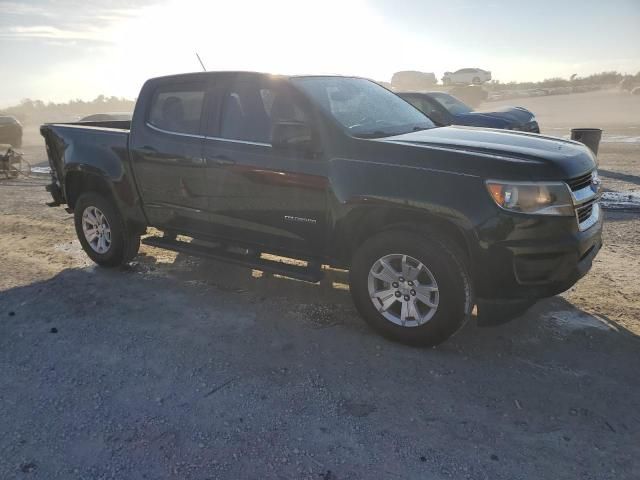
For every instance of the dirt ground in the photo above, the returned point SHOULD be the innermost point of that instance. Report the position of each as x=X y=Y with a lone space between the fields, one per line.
x=176 y=367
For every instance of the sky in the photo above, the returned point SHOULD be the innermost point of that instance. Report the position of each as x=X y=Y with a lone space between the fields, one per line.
x=56 y=50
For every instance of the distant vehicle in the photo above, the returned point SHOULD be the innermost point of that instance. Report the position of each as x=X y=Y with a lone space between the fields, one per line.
x=335 y=171
x=413 y=80
x=10 y=131
x=108 y=117
x=445 y=109
x=466 y=76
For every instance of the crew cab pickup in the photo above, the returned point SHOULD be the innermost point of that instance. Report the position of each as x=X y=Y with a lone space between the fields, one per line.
x=337 y=171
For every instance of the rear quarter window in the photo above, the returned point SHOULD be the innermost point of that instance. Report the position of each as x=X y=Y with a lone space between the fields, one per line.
x=177 y=108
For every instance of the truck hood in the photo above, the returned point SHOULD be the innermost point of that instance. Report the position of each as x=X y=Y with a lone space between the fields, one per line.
x=501 y=148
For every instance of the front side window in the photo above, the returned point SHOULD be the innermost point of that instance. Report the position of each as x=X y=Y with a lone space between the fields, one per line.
x=253 y=106
x=451 y=104
x=421 y=104
x=362 y=107
x=178 y=108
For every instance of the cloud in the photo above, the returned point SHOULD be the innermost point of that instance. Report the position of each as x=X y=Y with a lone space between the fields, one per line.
x=53 y=33
x=63 y=20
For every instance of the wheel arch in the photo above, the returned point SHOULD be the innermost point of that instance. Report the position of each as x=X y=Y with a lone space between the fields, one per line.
x=79 y=181
x=363 y=223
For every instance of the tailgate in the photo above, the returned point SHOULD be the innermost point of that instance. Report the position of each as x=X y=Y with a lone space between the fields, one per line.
x=56 y=165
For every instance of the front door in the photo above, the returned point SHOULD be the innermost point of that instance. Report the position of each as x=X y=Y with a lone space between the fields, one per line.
x=259 y=194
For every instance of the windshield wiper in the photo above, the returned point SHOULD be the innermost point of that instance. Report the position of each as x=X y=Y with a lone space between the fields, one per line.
x=374 y=134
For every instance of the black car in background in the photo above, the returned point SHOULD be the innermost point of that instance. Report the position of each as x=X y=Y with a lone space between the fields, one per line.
x=108 y=117
x=445 y=109
x=10 y=131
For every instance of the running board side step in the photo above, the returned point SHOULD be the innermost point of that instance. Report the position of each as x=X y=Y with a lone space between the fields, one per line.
x=307 y=274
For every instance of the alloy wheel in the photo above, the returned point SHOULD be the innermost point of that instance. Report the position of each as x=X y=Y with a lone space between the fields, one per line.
x=403 y=290
x=96 y=229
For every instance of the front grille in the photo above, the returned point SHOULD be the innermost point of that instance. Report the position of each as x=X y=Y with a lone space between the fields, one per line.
x=584 y=211
x=579 y=183
x=585 y=199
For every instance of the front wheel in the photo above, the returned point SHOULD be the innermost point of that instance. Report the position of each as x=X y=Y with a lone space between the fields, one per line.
x=102 y=231
x=411 y=288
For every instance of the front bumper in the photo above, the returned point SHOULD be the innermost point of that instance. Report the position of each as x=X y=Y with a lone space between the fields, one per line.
x=522 y=257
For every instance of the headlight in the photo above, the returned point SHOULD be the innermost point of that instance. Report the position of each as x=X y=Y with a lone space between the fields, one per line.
x=540 y=198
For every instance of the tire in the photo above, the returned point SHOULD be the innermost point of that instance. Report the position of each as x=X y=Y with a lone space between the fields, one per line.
x=122 y=246
x=476 y=80
x=445 y=268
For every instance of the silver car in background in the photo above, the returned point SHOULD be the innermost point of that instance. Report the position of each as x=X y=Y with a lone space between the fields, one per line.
x=466 y=76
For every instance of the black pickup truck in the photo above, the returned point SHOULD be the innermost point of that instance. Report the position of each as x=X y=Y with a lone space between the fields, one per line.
x=338 y=171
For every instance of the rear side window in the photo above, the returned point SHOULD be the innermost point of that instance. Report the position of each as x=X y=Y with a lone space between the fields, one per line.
x=178 y=108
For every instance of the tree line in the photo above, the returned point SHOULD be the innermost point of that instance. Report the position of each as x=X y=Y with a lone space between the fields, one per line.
x=37 y=110
x=597 y=79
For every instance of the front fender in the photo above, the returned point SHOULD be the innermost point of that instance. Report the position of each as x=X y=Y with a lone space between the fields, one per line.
x=375 y=194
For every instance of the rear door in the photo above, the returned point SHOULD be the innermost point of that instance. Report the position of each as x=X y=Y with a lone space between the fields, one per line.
x=259 y=194
x=166 y=153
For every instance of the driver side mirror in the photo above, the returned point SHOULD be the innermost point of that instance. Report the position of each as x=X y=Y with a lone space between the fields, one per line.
x=292 y=135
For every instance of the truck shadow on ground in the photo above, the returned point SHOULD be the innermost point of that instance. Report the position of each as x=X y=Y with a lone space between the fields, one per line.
x=212 y=344
x=333 y=291
x=210 y=295
x=625 y=177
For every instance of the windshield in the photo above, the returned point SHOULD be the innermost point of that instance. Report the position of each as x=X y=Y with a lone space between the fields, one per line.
x=363 y=107
x=452 y=104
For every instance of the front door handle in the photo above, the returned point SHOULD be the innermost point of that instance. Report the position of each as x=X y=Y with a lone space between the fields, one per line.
x=220 y=161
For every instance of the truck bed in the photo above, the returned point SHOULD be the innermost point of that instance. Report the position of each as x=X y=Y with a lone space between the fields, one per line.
x=96 y=145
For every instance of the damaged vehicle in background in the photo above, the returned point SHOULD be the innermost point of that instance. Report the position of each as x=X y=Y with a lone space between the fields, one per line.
x=335 y=171
x=445 y=109
x=10 y=131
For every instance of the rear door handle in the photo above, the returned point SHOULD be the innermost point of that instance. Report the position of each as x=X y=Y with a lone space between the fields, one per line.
x=146 y=150
x=190 y=160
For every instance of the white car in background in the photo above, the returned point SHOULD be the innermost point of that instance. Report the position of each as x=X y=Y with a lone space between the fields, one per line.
x=466 y=76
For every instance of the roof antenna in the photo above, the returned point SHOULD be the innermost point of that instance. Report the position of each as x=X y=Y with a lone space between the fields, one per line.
x=202 y=64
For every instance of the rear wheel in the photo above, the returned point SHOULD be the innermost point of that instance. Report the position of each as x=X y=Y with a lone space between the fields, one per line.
x=476 y=80
x=411 y=288
x=102 y=231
